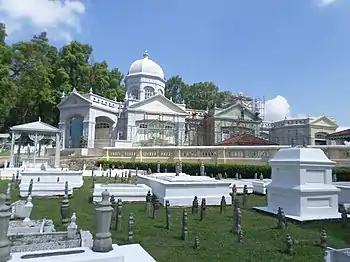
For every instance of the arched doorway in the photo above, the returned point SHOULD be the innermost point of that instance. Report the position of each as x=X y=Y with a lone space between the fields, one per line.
x=75 y=131
x=104 y=132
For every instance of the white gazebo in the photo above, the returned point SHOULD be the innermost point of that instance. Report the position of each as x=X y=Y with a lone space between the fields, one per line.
x=36 y=131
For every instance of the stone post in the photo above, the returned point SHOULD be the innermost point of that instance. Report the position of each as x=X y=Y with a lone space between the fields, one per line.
x=202 y=169
x=72 y=228
x=103 y=237
x=65 y=207
x=5 y=245
x=119 y=214
x=131 y=228
x=57 y=151
x=158 y=166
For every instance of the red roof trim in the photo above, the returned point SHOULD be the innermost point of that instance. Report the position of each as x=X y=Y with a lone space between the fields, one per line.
x=345 y=132
x=245 y=140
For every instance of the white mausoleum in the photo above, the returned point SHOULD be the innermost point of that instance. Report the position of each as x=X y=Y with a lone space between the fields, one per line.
x=145 y=116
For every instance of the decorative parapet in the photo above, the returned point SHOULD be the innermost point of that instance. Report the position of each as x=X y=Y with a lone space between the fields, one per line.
x=215 y=154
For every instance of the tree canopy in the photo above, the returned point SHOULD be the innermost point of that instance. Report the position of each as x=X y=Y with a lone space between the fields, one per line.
x=34 y=73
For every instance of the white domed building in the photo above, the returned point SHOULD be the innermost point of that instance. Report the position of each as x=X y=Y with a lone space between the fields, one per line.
x=146 y=117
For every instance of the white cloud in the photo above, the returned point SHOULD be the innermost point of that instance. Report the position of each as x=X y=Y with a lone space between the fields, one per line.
x=277 y=109
x=58 y=17
x=323 y=3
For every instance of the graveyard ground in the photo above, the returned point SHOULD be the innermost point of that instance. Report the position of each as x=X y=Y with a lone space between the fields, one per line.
x=262 y=242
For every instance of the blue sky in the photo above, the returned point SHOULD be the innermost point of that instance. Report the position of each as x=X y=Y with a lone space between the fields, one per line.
x=296 y=49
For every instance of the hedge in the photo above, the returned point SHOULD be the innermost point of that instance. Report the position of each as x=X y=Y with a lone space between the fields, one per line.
x=247 y=171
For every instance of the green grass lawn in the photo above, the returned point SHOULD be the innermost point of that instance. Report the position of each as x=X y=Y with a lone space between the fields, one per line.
x=262 y=242
x=5 y=153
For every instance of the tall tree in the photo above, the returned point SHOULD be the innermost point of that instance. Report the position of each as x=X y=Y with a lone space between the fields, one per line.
x=74 y=60
x=174 y=89
x=32 y=67
x=202 y=95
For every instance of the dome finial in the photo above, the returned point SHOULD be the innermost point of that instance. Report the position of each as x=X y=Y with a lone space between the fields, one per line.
x=145 y=54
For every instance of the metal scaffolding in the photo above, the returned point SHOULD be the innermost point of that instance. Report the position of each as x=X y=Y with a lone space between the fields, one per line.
x=157 y=130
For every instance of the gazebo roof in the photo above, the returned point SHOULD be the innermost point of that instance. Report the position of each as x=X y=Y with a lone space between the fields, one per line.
x=36 y=126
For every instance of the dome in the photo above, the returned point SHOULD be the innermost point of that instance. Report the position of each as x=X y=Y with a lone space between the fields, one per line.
x=146 y=66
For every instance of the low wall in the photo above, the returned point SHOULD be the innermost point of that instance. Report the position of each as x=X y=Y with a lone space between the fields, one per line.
x=252 y=155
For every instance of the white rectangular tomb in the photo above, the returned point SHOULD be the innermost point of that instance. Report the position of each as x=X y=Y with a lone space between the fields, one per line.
x=180 y=190
x=259 y=186
x=302 y=185
x=126 y=253
x=125 y=192
x=50 y=183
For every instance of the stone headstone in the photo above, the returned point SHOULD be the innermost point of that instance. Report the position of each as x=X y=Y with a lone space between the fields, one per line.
x=180 y=167
x=203 y=209
x=119 y=214
x=225 y=175
x=261 y=176
x=222 y=204
x=236 y=176
x=323 y=239
x=255 y=175
x=149 y=171
x=131 y=228
x=65 y=217
x=103 y=237
x=245 y=194
x=195 y=205
x=184 y=225
x=165 y=170
x=43 y=167
x=334 y=177
x=158 y=167
x=72 y=227
x=289 y=243
x=155 y=206
x=202 y=170
x=177 y=169
x=5 y=245
x=240 y=236
x=148 y=206
x=240 y=176
x=281 y=219
x=196 y=243
x=233 y=194
x=167 y=214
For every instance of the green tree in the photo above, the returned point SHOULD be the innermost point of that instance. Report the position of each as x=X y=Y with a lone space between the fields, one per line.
x=32 y=74
x=174 y=88
x=6 y=83
x=202 y=95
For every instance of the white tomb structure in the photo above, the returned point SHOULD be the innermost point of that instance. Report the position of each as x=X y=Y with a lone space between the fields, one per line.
x=125 y=192
x=259 y=186
x=180 y=190
x=50 y=182
x=302 y=185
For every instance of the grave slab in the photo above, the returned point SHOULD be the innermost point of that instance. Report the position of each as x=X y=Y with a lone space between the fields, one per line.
x=125 y=192
x=180 y=190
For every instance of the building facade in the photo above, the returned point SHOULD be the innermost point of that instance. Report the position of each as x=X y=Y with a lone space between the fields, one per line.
x=146 y=117
x=300 y=131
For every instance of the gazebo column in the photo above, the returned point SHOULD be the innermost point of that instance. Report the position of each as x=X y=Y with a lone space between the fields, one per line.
x=35 y=145
x=58 y=151
x=12 y=157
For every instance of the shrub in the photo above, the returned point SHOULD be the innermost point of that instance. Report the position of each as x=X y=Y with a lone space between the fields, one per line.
x=247 y=171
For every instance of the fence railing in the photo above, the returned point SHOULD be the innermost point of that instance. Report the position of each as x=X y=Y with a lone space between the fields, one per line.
x=215 y=154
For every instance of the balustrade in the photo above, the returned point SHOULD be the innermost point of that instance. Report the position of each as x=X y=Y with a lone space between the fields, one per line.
x=216 y=154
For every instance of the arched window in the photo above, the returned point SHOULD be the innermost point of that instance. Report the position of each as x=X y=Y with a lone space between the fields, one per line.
x=135 y=94
x=149 y=92
x=102 y=125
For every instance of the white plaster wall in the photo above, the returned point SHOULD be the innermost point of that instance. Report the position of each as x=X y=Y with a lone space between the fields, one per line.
x=141 y=82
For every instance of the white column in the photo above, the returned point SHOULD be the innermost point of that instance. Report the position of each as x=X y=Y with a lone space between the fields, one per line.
x=89 y=127
x=63 y=127
x=57 y=151
x=35 y=145
x=12 y=157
